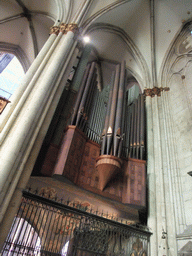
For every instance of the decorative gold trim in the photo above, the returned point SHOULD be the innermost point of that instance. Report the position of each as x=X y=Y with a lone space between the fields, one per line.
x=72 y=27
x=63 y=28
x=54 y=30
x=155 y=91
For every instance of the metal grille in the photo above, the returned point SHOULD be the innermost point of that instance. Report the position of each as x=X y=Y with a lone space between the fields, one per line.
x=45 y=227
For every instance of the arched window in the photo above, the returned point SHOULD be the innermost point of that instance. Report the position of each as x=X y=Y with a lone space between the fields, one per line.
x=22 y=239
x=65 y=249
x=11 y=73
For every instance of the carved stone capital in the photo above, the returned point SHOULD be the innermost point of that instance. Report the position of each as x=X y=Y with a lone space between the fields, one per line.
x=72 y=27
x=54 y=30
x=155 y=91
x=63 y=28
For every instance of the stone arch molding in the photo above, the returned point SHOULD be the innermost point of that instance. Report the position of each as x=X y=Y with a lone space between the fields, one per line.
x=179 y=54
x=177 y=75
x=101 y=12
x=178 y=64
x=18 y=52
x=143 y=79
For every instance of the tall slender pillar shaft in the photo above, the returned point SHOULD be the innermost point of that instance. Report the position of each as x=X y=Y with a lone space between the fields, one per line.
x=16 y=147
x=152 y=219
x=19 y=97
x=34 y=148
x=19 y=137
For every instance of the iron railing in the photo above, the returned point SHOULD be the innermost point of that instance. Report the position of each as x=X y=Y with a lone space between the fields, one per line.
x=46 y=227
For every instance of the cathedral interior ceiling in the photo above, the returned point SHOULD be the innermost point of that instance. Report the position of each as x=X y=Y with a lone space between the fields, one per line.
x=131 y=17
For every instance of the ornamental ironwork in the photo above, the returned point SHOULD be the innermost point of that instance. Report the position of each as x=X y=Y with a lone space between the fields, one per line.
x=45 y=227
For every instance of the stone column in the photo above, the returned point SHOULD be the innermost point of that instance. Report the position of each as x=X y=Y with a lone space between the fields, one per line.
x=20 y=137
x=170 y=237
x=19 y=97
x=151 y=181
x=161 y=218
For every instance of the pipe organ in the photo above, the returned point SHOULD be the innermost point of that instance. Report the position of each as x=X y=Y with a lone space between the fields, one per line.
x=103 y=148
x=136 y=142
x=89 y=108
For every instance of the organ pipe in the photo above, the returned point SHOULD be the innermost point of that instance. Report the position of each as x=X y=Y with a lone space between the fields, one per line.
x=138 y=127
x=135 y=129
x=142 y=127
x=123 y=117
x=119 y=110
x=99 y=76
x=131 y=130
x=90 y=104
x=113 y=110
x=92 y=114
x=79 y=95
x=102 y=115
x=104 y=134
x=84 y=97
x=136 y=146
x=90 y=94
x=98 y=118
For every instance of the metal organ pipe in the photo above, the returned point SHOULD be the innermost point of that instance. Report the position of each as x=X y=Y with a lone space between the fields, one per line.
x=102 y=115
x=132 y=131
x=126 y=125
x=84 y=97
x=88 y=102
x=79 y=95
x=90 y=94
x=119 y=110
x=104 y=134
x=135 y=129
x=95 y=119
x=136 y=145
x=123 y=117
x=90 y=121
x=138 y=127
x=142 y=127
x=99 y=76
x=98 y=119
x=110 y=129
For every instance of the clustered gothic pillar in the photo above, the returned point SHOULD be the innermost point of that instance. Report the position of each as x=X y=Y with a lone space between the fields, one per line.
x=163 y=212
x=23 y=119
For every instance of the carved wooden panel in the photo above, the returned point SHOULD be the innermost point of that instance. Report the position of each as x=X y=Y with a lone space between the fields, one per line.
x=71 y=153
x=134 y=183
x=77 y=162
x=88 y=173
